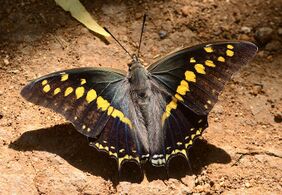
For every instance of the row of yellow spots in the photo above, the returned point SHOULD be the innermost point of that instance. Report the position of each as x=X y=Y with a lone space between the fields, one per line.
x=190 y=76
x=229 y=51
x=46 y=86
x=91 y=95
x=115 y=154
x=175 y=152
x=192 y=137
x=181 y=90
x=200 y=68
x=183 y=151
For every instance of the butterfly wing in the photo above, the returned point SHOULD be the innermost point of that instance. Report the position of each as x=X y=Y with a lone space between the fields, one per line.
x=191 y=80
x=95 y=100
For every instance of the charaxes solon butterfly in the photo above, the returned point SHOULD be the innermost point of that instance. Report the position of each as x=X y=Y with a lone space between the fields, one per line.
x=147 y=114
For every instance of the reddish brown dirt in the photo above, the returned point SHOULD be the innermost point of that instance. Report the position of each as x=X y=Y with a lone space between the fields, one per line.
x=241 y=151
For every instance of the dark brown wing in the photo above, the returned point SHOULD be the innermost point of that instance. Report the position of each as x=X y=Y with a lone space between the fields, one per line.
x=190 y=81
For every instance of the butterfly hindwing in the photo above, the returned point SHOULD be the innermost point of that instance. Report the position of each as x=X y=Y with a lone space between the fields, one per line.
x=118 y=138
x=176 y=134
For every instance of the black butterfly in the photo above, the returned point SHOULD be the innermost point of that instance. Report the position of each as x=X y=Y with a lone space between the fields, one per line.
x=148 y=114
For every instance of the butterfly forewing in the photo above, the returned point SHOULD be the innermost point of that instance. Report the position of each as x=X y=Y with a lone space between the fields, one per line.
x=198 y=74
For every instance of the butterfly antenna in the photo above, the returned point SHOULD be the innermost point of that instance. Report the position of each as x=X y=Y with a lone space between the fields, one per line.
x=118 y=42
x=142 y=30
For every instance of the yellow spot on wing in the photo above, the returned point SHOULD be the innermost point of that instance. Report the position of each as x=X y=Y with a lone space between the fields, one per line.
x=110 y=110
x=164 y=117
x=182 y=88
x=200 y=68
x=178 y=97
x=184 y=83
x=208 y=49
x=82 y=81
x=44 y=82
x=56 y=91
x=209 y=63
x=68 y=91
x=167 y=156
x=183 y=151
x=189 y=144
x=192 y=60
x=229 y=52
x=113 y=154
x=91 y=95
x=79 y=92
x=46 y=88
x=221 y=59
x=64 y=77
x=102 y=103
x=190 y=76
x=170 y=106
x=230 y=46
x=127 y=121
x=117 y=113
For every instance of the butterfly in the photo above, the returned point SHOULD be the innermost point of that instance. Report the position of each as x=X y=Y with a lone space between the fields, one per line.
x=148 y=114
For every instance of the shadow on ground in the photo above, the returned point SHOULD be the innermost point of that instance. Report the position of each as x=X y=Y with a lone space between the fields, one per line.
x=66 y=142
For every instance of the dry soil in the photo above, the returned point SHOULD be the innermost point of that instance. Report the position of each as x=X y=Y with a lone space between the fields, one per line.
x=240 y=152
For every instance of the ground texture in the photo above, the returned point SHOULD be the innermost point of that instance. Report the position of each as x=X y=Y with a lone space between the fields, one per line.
x=240 y=152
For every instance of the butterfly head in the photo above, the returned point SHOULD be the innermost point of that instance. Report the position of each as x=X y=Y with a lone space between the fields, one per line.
x=135 y=63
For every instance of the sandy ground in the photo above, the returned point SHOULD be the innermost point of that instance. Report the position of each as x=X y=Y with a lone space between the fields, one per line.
x=240 y=152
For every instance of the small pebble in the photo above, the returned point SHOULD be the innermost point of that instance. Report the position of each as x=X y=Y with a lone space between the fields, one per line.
x=279 y=31
x=162 y=34
x=185 y=10
x=246 y=29
x=244 y=37
x=6 y=61
x=263 y=35
x=247 y=184
x=257 y=89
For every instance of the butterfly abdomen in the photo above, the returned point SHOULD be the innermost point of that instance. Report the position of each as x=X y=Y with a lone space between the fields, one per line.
x=149 y=104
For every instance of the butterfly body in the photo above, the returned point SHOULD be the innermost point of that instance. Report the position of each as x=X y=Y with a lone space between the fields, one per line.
x=147 y=114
